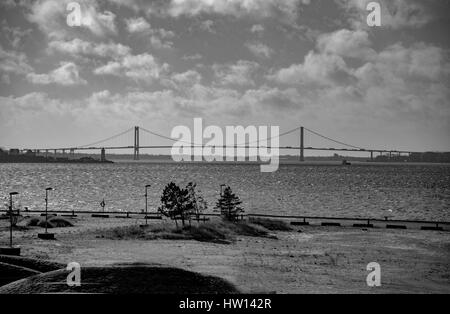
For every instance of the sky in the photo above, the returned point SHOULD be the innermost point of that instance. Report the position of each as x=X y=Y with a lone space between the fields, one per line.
x=288 y=63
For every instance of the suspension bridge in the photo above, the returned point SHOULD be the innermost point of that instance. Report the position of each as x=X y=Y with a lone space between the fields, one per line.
x=102 y=145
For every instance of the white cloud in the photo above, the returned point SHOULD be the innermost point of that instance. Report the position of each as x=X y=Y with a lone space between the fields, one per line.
x=396 y=14
x=78 y=47
x=67 y=74
x=346 y=43
x=240 y=73
x=207 y=26
x=395 y=85
x=158 y=37
x=257 y=28
x=317 y=69
x=51 y=17
x=14 y=62
x=143 y=67
x=14 y=35
x=255 y=8
x=194 y=57
x=260 y=50
x=137 y=25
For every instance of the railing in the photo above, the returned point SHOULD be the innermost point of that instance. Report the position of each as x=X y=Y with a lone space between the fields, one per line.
x=304 y=218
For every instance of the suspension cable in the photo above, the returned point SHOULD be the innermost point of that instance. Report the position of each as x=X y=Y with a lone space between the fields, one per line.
x=330 y=139
x=104 y=140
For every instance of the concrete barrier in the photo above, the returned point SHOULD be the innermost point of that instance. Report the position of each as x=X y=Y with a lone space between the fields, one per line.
x=99 y=216
x=12 y=251
x=331 y=224
x=431 y=228
x=363 y=225
x=46 y=236
x=396 y=227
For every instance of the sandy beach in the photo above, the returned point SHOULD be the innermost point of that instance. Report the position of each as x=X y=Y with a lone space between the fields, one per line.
x=315 y=260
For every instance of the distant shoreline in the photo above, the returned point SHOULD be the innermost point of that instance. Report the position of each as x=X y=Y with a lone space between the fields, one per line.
x=50 y=160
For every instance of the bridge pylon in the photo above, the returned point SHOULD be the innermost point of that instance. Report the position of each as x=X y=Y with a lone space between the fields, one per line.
x=302 y=144
x=136 y=143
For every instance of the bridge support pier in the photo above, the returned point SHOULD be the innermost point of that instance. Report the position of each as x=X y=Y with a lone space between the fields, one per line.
x=136 y=143
x=371 y=155
x=102 y=155
x=302 y=144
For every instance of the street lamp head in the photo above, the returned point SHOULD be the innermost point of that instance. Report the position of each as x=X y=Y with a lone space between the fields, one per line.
x=13 y=193
x=148 y=185
x=49 y=189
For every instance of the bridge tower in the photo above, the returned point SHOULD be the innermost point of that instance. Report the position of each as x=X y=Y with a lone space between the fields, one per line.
x=302 y=144
x=136 y=143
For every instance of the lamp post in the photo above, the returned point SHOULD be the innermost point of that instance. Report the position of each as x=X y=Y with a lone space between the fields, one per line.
x=11 y=216
x=146 y=197
x=46 y=206
x=10 y=250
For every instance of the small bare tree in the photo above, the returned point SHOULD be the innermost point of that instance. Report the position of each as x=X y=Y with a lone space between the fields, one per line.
x=228 y=204
x=197 y=202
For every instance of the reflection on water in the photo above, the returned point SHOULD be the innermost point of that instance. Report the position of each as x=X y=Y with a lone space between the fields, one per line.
x=419 y=192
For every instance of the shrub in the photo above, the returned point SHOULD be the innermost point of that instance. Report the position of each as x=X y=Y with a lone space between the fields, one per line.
x=175 y=203
x=272 y=225
x=53 y=222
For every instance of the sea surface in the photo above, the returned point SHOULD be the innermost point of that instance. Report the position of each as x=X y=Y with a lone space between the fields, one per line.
x=362 y=190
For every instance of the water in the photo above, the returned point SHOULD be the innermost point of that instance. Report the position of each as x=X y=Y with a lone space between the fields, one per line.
x=409 y=191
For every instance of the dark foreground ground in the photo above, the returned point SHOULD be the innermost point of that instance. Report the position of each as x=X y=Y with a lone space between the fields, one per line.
x=316 y=260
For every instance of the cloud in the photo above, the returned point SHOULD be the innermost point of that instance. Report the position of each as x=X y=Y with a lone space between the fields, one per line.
x=397 y=84
x=137 y=25
x=78 y=47
x=346 y=43
x=317 y=69
x=158 y=37
x=288 y=9
x=207 y=26
x=67 y=75
x=257 y=28
x=51 y=18
x=193 y=57
x=14 y=62
x=396 y=14
x=260 y=50
x=143 y=67
x=238 y=74
x=14 y=35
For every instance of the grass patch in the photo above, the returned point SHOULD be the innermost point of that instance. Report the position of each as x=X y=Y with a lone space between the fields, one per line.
x=216 y=232
x=272 y=225
x=37 y=264
x=125 y=279
x=13 y=268
x=52 y=222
